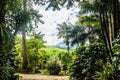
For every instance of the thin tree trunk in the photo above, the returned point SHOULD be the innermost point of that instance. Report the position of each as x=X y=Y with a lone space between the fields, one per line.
x=108 y=33
x=111 y=26
x=24 y=51
x=25 y=62
x=107 y=40
x=68 y=48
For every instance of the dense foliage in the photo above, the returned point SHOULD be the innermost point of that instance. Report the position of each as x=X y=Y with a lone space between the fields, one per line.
x=99 y=19
x=41 y=59
x=96 y=35
x=7 y=38
x=89 y=60
x=12 y=20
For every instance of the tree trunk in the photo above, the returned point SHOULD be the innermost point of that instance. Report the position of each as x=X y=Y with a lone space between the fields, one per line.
x=68 y=44
x=25 y=62
x=106 y=30
x=2 y=12
x=68 y=48
x=116 y=17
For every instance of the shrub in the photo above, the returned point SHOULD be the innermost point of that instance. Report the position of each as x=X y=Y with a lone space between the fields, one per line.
x=54 y=68
x=89 y=60
x=111 y=71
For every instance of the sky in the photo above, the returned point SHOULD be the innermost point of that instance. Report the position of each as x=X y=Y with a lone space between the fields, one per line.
x=51 y=19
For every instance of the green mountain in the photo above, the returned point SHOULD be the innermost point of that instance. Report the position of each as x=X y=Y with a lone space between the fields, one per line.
x=62 y=45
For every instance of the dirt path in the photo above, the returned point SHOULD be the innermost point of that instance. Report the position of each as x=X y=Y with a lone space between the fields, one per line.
x=41 y=77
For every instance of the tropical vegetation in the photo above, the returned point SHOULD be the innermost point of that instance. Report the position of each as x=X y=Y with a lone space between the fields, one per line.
x=96 y=35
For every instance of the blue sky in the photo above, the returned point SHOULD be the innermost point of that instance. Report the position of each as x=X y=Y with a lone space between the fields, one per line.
x=51 y=19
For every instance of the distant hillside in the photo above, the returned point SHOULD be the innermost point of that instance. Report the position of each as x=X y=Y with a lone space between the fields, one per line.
x=54 y=48
x=62 y=45
x=51 y=50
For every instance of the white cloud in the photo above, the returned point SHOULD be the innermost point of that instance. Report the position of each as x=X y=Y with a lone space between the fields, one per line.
x=51 y=19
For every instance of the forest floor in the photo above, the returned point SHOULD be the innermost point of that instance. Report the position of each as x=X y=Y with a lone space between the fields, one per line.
x=41 y=77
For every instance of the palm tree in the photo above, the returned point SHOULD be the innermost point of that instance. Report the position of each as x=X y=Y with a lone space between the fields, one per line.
x=36 y=35
x=86 y=29
x=77 y=35
x=29 y=16
x=81 y=35
x=64 y=32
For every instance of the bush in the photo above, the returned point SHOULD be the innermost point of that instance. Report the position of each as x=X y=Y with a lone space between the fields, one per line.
x=44 y=71
x=89 y=60
x=54 y=68
x=111 y=71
